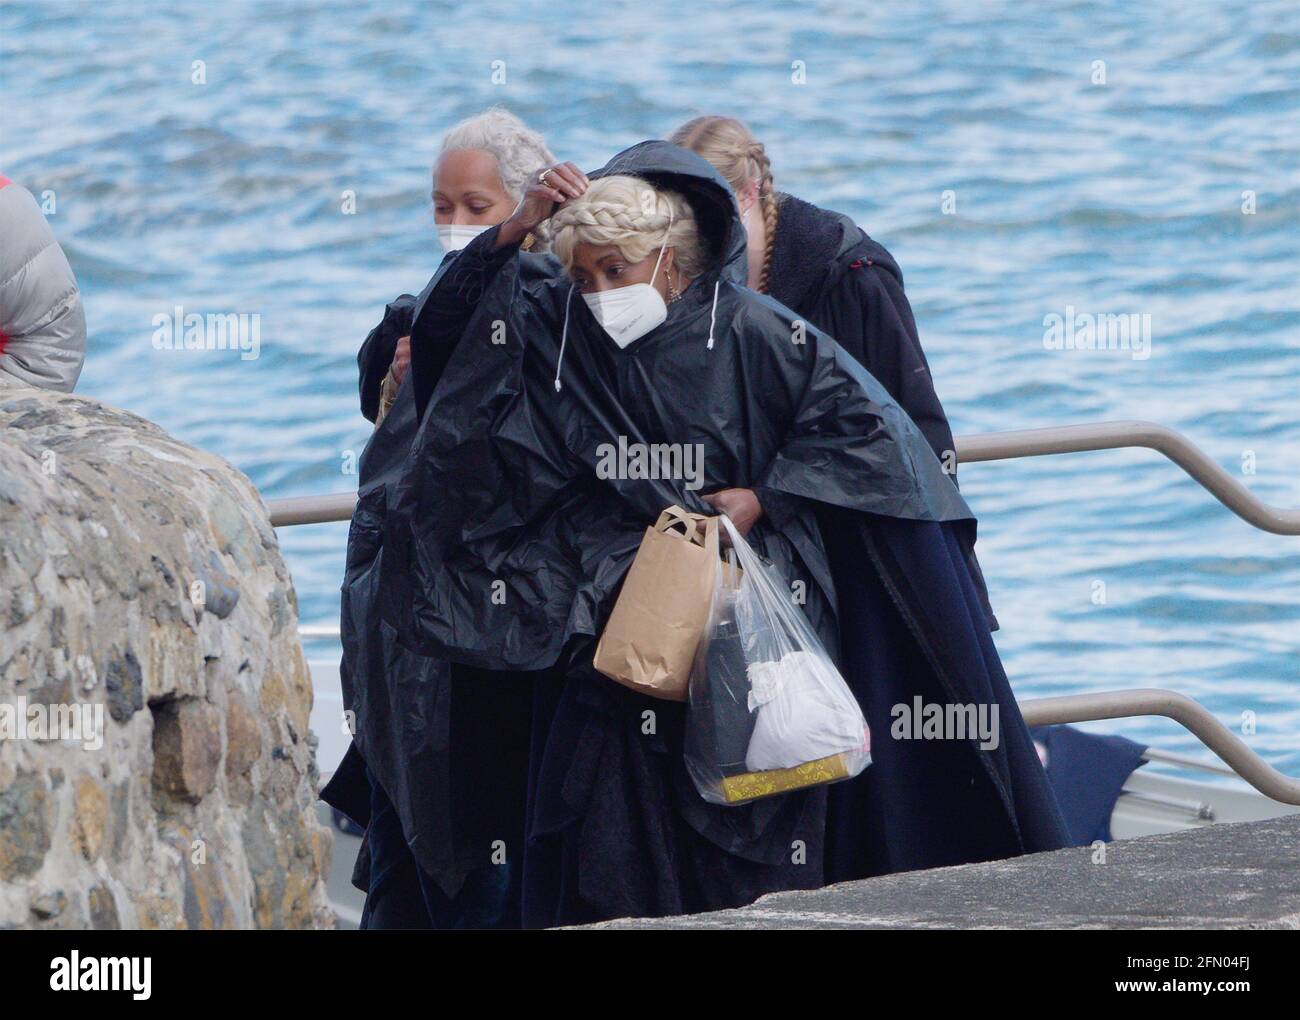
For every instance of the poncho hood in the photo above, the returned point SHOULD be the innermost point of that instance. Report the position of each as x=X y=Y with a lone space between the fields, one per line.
x=666 y=165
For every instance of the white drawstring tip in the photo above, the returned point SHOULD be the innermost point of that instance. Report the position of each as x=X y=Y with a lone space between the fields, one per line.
x=713 y=315
x=564 y=337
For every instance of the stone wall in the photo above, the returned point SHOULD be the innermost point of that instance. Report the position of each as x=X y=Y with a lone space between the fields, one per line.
x=142 y=589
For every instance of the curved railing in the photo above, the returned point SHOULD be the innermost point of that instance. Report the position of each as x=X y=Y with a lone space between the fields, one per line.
x=1113 y=435
x=1172 y=705
x=1107 y=435
x=1116 y=435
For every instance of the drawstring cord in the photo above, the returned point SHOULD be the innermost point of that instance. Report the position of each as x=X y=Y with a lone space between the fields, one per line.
x=713 y=315
x=564 y=337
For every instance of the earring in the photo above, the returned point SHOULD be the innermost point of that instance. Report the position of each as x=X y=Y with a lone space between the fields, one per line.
x=673 y=292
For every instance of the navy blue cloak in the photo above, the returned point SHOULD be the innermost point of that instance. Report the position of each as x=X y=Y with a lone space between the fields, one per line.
x=828 y=271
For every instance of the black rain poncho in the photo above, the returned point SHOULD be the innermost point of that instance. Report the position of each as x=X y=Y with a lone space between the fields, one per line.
x=401 y=703
x=504 y=549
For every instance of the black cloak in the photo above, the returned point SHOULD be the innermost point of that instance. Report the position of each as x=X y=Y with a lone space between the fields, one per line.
x=365 y=647
x=401 y=703
x=504 y=548
x=828 y=271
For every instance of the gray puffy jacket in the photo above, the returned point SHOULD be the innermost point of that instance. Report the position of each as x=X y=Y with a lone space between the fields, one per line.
x=42 y=326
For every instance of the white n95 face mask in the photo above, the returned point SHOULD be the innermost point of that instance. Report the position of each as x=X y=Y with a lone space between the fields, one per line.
x=628 y=313
x=455 y=236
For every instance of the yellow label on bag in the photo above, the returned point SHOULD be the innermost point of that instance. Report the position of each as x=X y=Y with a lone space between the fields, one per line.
x=752 y=785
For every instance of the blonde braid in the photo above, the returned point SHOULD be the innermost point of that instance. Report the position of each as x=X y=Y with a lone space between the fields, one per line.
x=628 y=213
x=741 y=159
x=613 y=216
x=769 y=207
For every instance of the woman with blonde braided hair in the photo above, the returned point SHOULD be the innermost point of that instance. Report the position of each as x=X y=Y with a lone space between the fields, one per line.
x=514 y=523
x=824 y=267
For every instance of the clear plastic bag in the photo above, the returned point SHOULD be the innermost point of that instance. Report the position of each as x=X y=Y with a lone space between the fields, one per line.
x=769 y=711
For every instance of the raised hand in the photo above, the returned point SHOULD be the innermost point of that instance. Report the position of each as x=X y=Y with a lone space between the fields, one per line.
x=553 y=187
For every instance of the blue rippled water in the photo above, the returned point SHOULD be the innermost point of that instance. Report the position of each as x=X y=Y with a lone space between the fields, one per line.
x=1122 y=197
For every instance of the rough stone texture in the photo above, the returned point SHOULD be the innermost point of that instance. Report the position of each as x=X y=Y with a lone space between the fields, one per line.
x=1221 y=876
x=186 y=749
x=140 y=578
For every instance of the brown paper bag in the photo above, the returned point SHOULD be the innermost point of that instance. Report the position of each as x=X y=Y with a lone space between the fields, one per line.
x=650 y=640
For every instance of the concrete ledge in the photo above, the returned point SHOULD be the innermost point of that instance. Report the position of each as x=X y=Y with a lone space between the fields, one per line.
x=1221 y=876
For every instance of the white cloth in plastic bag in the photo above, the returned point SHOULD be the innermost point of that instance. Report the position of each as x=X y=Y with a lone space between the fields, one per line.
x=804 y=712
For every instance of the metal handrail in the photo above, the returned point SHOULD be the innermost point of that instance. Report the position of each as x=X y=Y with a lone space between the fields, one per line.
x=309 y=631
x=337 y=506
x=1198 y=809
x=1172 y=705
x=1184 y=761
x=1106 y=435
x=1115 y=435
x=1037 y=443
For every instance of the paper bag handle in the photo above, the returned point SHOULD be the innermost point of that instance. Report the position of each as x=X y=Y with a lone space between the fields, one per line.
x=674 y=515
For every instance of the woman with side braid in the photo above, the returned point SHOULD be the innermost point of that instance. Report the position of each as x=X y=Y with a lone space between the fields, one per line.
x=823 y=267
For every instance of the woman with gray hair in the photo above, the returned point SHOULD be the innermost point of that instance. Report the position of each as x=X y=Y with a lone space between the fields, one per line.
x=484 y=166
x=393 y=779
